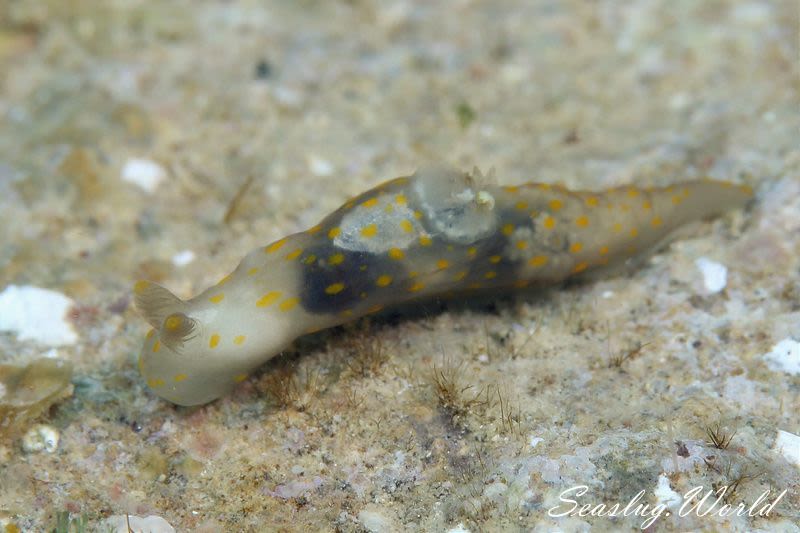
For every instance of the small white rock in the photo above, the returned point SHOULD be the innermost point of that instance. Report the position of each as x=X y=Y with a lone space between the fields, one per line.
x=145 y=173
x=319 y=166
x=150 y=524
x=664 y=493
x=373 y=520
x=788 y=445
x=715 y=275
x=459 y=529
x=40 y=437
x=785 y=357
x=183 y=258
x=534 y=441
x=36 y=314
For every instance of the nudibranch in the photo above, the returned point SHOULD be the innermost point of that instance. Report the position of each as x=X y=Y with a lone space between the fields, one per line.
x=437 y=231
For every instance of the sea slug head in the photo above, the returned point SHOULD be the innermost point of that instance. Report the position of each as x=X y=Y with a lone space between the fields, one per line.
x=195 y=352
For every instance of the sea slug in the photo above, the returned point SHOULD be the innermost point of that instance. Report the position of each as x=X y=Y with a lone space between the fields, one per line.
x=434 y=232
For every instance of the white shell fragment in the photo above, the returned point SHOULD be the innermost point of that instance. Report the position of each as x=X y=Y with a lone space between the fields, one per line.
x=715 y=275
x=785 y=357
x=41 y=437
x=145 y=173
x=36 y=314
x=788 y=445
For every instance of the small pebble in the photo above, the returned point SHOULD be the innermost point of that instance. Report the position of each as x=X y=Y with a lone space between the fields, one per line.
x=41 y=437
x=715 y=275
x=149 y=524
x=183 y=258
x=375 y=521
x=664 y=493
x=788 y=445
x=319 y=166
x=145 y=173
x=37 y=314
x=785 y=357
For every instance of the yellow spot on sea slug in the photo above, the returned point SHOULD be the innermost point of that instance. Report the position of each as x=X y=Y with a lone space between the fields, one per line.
x=556 y=204
x=633 y=193
x=238 y=378
x=576 y=247
x=156 y=346
x=417 y=286
x=471 y=251
x=396 y=253
x=511 y=188
x=217 y=298
x=374 y=309
x=495 y=259
x=307 y=260
x=252 y=271
x=141 y=286
x=155 y=382
x=603 y=250
x=180 y=377
x=336 y=259
x=647 y=205
x=288 y=304
x=521 y=245
x=334 y=232
x=538 y=260
x=592 y=201
x=508 y=229
x=656 y=222
x=634 y=232
x=417 y=215
x=275 y=246
x=213 y=342
x=549 y=222
x=400 y=199
x=383 y=280
x=424 y=240
x=490 y=275
x=294 y=255
x=582 y=221
x=369 y=231
x=580 y=267
x=315 y=229
x=461 y=275
x=372 y=202
x=239 y=340
x=268 y=299
x=407 y=226
x=172 y=323
x=150 y=334
x=617 y=227
x=224 y=280
x=522 y=206
x=441 y=264
x=334 y=288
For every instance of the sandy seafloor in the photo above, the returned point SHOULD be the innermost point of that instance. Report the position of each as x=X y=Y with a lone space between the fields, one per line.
x=612 y=384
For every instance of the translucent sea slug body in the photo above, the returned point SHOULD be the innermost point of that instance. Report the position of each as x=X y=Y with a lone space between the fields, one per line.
x=434 y=232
